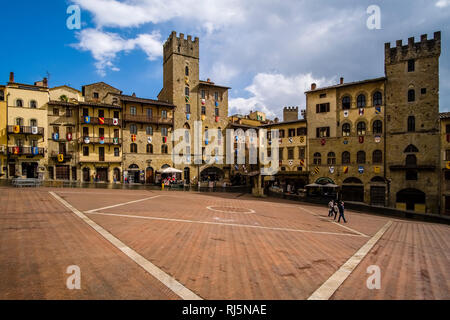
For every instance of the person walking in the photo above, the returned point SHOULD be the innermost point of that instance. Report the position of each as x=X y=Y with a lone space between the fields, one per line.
x=341 y=212
x=330 y=208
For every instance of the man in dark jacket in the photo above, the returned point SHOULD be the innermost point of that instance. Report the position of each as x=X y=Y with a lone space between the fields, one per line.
x=341 y=212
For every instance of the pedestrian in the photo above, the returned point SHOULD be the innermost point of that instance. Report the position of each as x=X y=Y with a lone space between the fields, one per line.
x=341 y=212
x=330 y=208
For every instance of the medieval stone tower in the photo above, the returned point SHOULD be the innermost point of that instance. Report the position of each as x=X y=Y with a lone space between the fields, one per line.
x=290 y=113
x=412 y=128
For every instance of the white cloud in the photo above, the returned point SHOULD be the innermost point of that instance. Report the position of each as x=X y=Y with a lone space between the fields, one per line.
x=134 y=13
x=442 y=3
x=104 y=46
x=271 y=92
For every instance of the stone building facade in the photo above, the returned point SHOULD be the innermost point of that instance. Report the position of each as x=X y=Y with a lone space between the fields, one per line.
x=444 y=161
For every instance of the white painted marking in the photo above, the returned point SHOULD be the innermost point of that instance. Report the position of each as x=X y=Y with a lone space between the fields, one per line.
x=100 y=193
x=212 y=209
x=329 y=287
x=121 y=204
x=153 y=270
x=338 y=224
x=223 y=224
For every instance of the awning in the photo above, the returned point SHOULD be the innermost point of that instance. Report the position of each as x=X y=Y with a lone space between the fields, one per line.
x=170 y=170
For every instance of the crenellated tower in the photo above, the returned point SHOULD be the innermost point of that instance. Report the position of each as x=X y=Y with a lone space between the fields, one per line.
x=412 y=129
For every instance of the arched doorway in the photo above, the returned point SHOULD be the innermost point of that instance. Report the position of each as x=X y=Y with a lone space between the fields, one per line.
x=411 y=199
x=211 y=174
x=324 y=181
x=86 y=174
x=378 y=191
x=134 y=174
x=353 y=190
x=149 y=179
x=187 y=175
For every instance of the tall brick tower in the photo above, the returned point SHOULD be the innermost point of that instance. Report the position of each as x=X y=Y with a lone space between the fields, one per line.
x=412 y=123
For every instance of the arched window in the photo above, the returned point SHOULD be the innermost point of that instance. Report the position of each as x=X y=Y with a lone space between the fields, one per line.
x=149 y=148
x=149 y=130
x=346 y=102
x=411 y=149
x=186 y=71
x=33 y=104
x=361 y=101
x=317 y=158
x=133 y=148
x=377 y=156
x=345 y=157
x=377 y=99
x=411 y=124
x=19 y=121
x=33 y=123
x=331 y=159
x=361 y=128
x=411 y=95
x=361 y=157
x=346 y=129
x=377 y=127
x=19 y=103
x=133 y=129
x=411 y=160
x=164 y=149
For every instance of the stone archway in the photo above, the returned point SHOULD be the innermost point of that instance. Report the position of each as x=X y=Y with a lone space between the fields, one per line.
x=411 y=199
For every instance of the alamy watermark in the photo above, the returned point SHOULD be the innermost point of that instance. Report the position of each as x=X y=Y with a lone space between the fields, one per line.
x=74 y=20
x=73 y=282
x=374 y=20
x=374 y=280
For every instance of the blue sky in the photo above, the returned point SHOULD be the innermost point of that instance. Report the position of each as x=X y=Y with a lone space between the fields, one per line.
x=268 y=51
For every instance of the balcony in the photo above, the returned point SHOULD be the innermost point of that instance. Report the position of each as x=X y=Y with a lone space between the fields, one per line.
x=97 y=140
x=96 y=121
x=145 y=119
x=25 y=151
x=26 y=130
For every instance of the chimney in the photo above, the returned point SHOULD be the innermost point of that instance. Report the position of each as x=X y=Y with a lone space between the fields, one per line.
x=342 y=80
x=313 y=86
x=208 y=80
x=11 y=77
x=45 y=82
x=133 y=95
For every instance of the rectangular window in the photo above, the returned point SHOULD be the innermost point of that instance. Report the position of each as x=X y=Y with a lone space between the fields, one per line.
x=291 y=153
x=101 y=113
x=423 y=91
x=323 y=132
x=216 y=112
x=85 y=112
x=95 y=95
x=323 y=95
x=116 y=114
x=68 y=112
x=188 y=108
x=55 y=129
x=133 y=111
x=164 y=114
x=55 y=111
x=149 y=130
x=116 y=133
x=203 y=94
x=116 y=152
x=216 y=96
x=447 y=155
x=323 y=107
x=101 y=132
x=164 y=132
x=281 y=133
x=447 y=128
x=186 y=91
x=302 y=152
x=74 y=173
x=51 y=173
x=280 y=155
x=411 y=65
x=85 y=131
x=149 y=113
x=291 y=133
x=86 y=151
x=203 y=110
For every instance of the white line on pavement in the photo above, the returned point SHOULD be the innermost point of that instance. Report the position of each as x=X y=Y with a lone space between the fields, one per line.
x=329 y=287
x=153 y=270
x=121 y=204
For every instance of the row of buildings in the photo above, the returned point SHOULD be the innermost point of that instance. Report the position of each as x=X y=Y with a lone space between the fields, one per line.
x=380 y=141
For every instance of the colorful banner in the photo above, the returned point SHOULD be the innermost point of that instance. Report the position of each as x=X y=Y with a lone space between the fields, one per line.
x=361 y=111
x=133 y=137
x=345 y=169
x=377 y=139
x=69 y=136
x=377 y=170
x=102 y=140
x=101 y=120
x=87 y=119
x=116 y=140
x=115 y=121
x=331 y=170
x=55 y=136
x=188 y=116
x=16 y=129
x=87 y=140
x=35 y=151
x=361 y=139
x=16 y=150
x=377 y=110
x=34 y=130
x=149 y=140
x=60 y=157
x=361 y=169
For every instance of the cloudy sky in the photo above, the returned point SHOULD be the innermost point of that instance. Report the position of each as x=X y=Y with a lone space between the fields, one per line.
x=268 y=51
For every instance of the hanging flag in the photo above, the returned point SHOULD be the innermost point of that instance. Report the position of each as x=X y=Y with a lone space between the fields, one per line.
x=345 y=169
x=55 y=136
x=377 y=170
x=187 y=99
x=115 y=121
x=16 y=150
x=87 y=119
x=331 y=170
x=203 y=117
x=203 y=101
x=302 y=162
x=217 y=119
x=34 y=130
x=448 y=165
x=377 y=139
x=316 y=170
x=60 y=157
x=206 y=142
x=87 y=140
x=102 y=140
x=216 y=103
x=35 y=151
x=101 y=120
x=133 y=137
x=377 y=110
x=361 y=139
x=188 y=116
x=302 y=139
x=16 y=129
x=165 y=139
x=116 y=140
x=186 y=80
x=149 y=140
x=346 y=113
x=291 y=162
x=291 y=140
x=361 y=111
x=345 y=141
x=69 y=136
x=323 y=142
x=361 y=169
